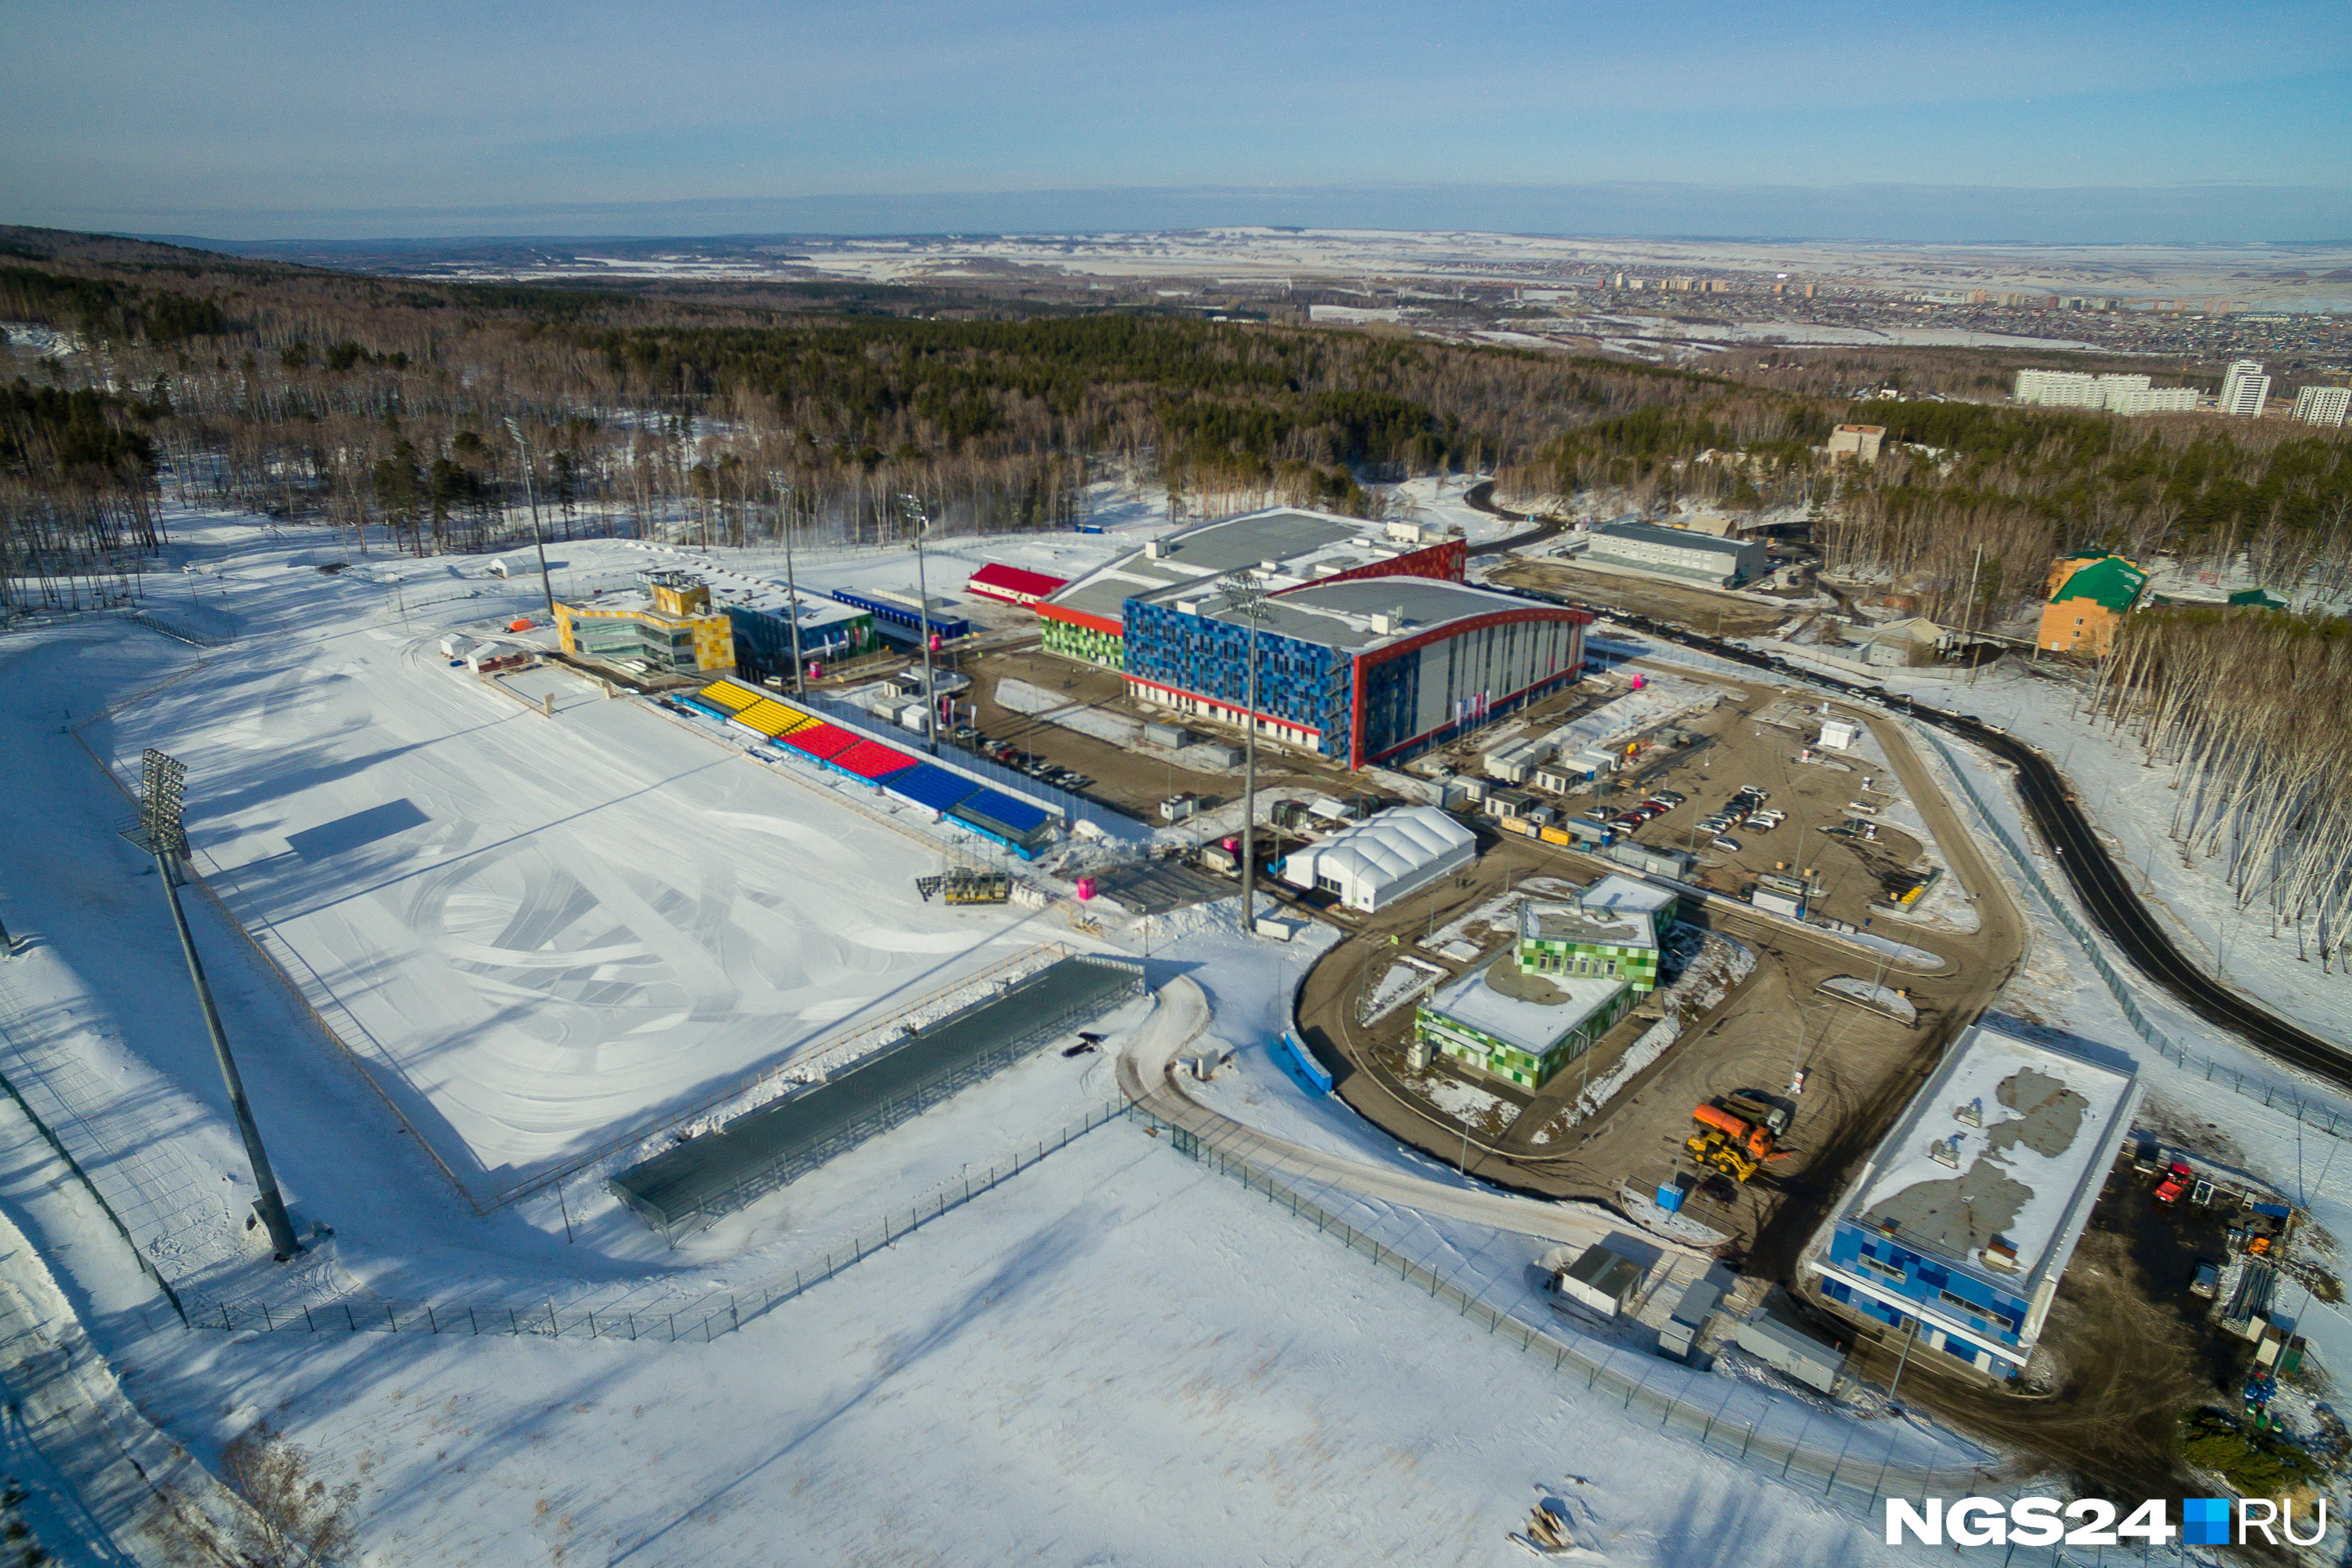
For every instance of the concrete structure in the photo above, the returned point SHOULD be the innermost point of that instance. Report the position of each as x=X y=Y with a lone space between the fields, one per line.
x=1013 y=585
x=1588 y=943
x=1860 y=442
x=1501 y=1022
x=2128 y=394
x=1616 y=894
x=1377 y=861
x=1086 y=619
x=667 y=626
x=2244 y=390
x=1964 y=1219
x=2090 y=594
x=2325 y=405
x=1677 y=552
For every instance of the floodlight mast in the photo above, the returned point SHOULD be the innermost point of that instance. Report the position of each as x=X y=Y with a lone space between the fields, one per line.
x=530 y=493
x=1248 y=592
x=923 y=609
x=167 y=840
x=792 y=591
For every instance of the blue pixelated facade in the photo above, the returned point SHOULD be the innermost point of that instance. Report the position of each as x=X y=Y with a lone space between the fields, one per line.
x=1303 y=686
x=1944 y=1295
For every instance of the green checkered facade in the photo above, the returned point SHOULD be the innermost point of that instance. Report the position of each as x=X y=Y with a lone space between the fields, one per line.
x=1476 y=1049
x=1637 y=966
x=1089 y=643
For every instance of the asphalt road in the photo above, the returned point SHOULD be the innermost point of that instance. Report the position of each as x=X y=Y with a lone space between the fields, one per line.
x=2101 y=886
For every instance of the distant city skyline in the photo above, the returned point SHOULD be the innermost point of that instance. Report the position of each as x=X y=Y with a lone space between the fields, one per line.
x=2089 y=125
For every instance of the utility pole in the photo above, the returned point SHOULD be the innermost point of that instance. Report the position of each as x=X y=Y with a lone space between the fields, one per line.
x=1248 y=594
x=922 y=521
x=161 y=829
x=530 y=493
x=792 y=591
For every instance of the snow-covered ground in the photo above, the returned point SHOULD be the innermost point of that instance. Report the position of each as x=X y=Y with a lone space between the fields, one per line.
x=2131 y=804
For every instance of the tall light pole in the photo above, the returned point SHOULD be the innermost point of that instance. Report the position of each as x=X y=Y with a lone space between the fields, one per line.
x=792 y=591
x=530 y=493
x=922 y=520
x=1247 y=593
x=167 y=840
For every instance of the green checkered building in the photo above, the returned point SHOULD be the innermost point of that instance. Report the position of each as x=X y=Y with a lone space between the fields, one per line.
x=1558 y=939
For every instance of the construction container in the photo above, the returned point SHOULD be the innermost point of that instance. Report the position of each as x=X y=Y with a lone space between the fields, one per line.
x=1789 y=1349
x=1679 y=1337
x=1602 y=1279
x=1173 y=737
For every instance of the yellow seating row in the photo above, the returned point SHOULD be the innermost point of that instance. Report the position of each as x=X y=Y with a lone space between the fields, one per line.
x=727 y=694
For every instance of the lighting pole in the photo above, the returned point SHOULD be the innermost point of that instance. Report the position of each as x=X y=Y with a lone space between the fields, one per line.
x=923 y=610
x=530 y=493
x=1248 y=594
x=792 y=591
x=166 y=838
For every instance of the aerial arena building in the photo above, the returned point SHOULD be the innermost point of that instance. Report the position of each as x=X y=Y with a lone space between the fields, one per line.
x=1370 y=646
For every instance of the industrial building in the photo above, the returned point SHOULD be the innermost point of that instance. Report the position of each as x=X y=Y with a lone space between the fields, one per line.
x=2090 y=594
x=1860 y=442
x=663 y=626
x=1677 y=552
x=1376 y=862
x=1503 y=1022
x=1086 y=619
x=2326 y=406
x=1957 y=1229
x=1571 y=939
x=903 y=617
x=1013 y=585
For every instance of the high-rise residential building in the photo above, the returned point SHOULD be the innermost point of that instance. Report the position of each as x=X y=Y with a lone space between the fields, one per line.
x=2323 y=405
x=2244 y=389
x=2128 y=394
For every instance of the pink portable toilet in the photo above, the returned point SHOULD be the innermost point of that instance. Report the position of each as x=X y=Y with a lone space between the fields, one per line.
x=1086 y=889
x=1639 y=681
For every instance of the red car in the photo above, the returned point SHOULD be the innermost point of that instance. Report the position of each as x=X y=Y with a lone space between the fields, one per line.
x=2176 y=1182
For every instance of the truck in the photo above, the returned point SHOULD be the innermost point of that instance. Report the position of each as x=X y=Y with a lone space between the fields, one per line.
x=1738 y=1134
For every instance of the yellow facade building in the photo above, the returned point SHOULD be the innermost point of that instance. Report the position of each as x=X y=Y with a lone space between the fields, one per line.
x=668 y=627
x=2090 y=594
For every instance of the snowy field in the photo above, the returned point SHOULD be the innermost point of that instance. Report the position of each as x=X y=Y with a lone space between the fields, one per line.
x=541 y=932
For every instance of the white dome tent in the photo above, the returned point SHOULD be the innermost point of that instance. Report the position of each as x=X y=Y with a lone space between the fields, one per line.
x=1381 y=859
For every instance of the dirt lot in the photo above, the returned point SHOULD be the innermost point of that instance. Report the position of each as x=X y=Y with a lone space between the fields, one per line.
x=1725 y=615
x=1735 y=749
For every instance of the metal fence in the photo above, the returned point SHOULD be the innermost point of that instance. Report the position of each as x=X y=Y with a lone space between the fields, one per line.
x=177 y=633
x=1853 y=1477
x=1073 y=808
x=2278 y=1096
x=638 y=1315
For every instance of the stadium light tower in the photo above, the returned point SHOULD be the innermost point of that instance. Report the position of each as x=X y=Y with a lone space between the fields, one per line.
x=1247 y=591
x=922 y=520
x=530 y=493
x=166 y=838
x=792 y=592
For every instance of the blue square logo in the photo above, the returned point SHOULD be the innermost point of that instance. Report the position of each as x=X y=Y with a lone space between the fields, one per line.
x=2205 y=1521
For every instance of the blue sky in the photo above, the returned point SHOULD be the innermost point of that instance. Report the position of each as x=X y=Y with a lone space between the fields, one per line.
x=238 y=120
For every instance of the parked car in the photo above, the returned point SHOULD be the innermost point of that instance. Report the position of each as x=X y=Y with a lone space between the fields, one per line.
x=1598 y=814
x=1728 y=846
x=1671 y=797
x=2207 y=1280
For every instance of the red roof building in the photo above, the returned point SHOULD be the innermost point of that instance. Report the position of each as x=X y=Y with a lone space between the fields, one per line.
x=1013 y=585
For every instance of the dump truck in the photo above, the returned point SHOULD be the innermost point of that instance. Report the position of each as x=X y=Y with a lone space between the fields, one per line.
x=1738 y=1134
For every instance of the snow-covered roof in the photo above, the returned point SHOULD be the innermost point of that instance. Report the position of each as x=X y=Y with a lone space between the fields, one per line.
x=1584 y=923
x=1514 y=1016
x=1625 y=895
x=1382 y=850
x=2048 y=1125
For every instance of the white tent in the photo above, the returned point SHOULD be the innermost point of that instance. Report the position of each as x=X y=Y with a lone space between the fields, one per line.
x=1381 y=859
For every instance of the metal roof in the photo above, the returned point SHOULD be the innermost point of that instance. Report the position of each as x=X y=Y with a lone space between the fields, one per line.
x=1682 y=538
x=1368 y=611
x=1287 y=536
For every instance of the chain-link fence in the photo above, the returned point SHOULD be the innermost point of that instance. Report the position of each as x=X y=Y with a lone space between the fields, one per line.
x=1852 y=1472
x=2275 y=1094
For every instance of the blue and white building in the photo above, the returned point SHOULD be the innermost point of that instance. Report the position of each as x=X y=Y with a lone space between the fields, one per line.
x=1965 y=1219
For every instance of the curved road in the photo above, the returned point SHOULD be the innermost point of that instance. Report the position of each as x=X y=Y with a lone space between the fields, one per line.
x=1145 y=1078
x=2098 y=883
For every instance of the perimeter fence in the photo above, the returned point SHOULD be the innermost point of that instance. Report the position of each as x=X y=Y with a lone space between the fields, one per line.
x=2276 y=1095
